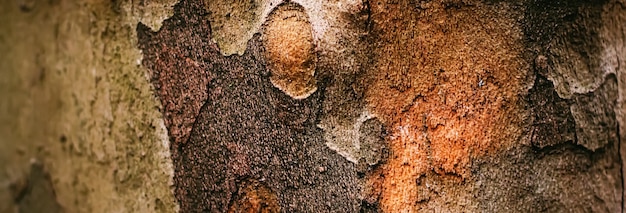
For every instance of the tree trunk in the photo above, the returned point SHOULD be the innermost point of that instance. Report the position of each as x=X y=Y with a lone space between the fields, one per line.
x=313 y=106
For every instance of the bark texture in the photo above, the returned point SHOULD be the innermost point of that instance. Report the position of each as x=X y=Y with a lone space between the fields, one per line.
x=80 y=128
x=312 y=106
x=420 y=105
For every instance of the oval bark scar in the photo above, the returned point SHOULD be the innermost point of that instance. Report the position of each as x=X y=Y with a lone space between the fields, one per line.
x=289 y=49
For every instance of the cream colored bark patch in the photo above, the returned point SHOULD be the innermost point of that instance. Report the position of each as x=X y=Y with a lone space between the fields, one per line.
x=76 y=99
x=234 y=22
x=362 y=139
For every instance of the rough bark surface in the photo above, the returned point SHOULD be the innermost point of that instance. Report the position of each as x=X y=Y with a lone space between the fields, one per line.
x=80 y=126
x=431 y=105
x=247 y=130
x=312 y=106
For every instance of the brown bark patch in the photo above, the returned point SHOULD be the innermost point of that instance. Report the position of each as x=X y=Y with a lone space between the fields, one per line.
x=179 y=70
x=553 y=123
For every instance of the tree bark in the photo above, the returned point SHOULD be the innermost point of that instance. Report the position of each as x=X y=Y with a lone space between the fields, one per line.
x=345 y=106
x=484 y=106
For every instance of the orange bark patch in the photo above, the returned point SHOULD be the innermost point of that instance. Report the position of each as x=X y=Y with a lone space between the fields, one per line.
x=288 y=40
x=255 y=198
x=445 y=81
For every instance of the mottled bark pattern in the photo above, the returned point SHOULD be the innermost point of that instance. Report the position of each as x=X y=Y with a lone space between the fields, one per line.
x=463 y=106
x=247 y=130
